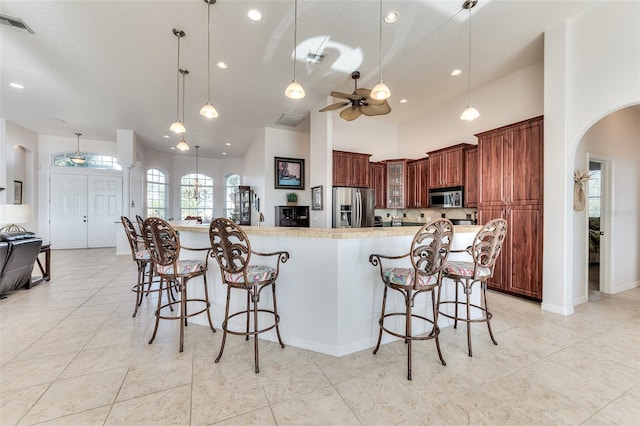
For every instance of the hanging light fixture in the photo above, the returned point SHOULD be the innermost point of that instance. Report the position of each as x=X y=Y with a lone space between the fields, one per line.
x=470 y=113
x=209 y=110
x=380 y=91
x=196 y=192
x=183 y=145
x=178 y=126
x=294 y=90
x=77 y=157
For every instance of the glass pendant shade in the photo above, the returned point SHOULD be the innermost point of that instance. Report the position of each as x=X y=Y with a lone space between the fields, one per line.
x=177 y=127
x=380 y=91
x=183 y=145
x=77 y=157
x=470 y=113
x=209 y=111
x=294 y=90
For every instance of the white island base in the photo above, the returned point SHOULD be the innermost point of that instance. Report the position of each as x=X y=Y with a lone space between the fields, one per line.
x=329 y=295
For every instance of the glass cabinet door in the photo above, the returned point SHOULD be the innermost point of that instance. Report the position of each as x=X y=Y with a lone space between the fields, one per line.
x=243 y=205
x=395 y=185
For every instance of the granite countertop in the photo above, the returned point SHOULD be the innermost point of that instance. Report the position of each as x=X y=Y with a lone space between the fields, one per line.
x=337 y=233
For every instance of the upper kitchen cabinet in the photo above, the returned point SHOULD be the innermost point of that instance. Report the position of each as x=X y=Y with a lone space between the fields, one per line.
x=377 y=182
x=418 y=183
x=471 y=177
x=350 y=169
x=396 y=184
x=446 y=166
x=511 y=164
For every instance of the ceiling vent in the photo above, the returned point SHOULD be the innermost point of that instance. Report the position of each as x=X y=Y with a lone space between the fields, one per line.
x=290 y=120
x=15 y=23
x=315 y=56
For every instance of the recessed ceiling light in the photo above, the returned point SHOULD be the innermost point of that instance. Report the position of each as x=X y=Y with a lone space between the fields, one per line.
x=391 y=17
x=172 y=147
x=254 y=15
x=404 y=101
x=222 y=65
x=228 y=143
x=16 y=85
x=166 y=136
x=224 y=153
x=456 y=72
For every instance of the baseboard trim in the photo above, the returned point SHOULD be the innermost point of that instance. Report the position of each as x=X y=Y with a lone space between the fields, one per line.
x=556 y=309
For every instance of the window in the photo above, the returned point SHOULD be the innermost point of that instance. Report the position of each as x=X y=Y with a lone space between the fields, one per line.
x=93 y=161
x=190 y=205
x=230 y=188
x=594 y=190
x=156 y=193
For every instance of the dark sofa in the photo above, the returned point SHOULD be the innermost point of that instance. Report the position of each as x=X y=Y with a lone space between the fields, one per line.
x=18 y=253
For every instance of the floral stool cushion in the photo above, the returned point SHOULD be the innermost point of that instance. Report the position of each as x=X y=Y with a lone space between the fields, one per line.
x=405 y=277
x=143 y=255
x=464 y=269
x=255 y=274
x=185 y=267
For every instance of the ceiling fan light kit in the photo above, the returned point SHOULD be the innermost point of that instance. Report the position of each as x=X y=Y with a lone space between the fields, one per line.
x=470 y=113
x=358 y=103
x=294 y=90
x=177 y=126
x=380 y=91
x=208 y=110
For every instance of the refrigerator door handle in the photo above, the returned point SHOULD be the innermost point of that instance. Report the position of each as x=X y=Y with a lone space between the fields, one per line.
x=358 y=209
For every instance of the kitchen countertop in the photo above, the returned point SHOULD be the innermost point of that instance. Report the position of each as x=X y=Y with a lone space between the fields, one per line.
x=333 y=233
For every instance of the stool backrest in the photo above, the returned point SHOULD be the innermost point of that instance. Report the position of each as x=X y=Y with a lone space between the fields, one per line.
x=140 y=221
x=161 y=240
x=132 y=235
x=488 y=243
x=430 y=247
x=229 y=245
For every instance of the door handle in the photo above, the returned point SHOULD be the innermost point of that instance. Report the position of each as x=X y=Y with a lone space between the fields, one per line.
x=601 y=232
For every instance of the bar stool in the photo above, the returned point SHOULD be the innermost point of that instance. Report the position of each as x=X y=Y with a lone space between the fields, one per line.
x=164 y=247
x=428 y=253
x=231 y=248
x=485 y=250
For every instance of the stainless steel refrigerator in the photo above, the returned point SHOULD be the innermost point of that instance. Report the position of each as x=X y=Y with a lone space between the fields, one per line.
x=353 y=207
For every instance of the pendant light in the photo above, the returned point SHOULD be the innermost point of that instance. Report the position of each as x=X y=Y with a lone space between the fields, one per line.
x=209 y=110
x=178 y=126
x=183 y=145
x=77 y=157
x=294 y=90
x=380 y=91
x=196 y=193
x=470 y=113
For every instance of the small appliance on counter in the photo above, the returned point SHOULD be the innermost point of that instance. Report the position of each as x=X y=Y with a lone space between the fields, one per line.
x=396 y=221
x=377 y=221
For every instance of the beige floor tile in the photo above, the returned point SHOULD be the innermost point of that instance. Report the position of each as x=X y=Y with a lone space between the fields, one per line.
x=260 y=417
x=21 y=373
x=92 y=417
x=312 y=409
x=14 y=404
x=100 y=359
x=75 y=395
x=624 y=410
x=170 y=407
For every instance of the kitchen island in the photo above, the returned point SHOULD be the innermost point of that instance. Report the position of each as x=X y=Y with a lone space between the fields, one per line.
x=329 y=295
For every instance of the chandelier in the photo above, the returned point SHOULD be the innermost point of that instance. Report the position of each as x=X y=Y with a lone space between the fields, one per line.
x=196 y=192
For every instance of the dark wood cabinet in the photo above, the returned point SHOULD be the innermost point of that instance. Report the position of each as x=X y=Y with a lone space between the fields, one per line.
x=418 y=183
x=350 y=169
x=293 y=216
x=446 y=166
x=471 y=177
x=510 y=161
x=377 y=182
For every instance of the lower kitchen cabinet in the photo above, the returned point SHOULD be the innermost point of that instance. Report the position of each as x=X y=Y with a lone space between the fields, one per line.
x=295 y=216
x=519 y=268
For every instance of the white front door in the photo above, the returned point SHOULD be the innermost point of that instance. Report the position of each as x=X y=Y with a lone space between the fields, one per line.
x=68 y=211
x=104 y=210
x=84 y=210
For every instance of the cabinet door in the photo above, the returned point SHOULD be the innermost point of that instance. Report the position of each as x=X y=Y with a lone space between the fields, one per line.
x=377 y=182
x=524 y=251
x=423 y=180
x=342 y=169
x=471 y=177
x=452 y=167
x=524 y=161
x=435 y=170
x=499 y=278
x=396 y=175
x=491 y=173
x=360 y=170
x=412 y=184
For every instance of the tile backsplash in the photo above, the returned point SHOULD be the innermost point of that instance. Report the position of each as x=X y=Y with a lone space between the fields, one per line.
x=424 y=215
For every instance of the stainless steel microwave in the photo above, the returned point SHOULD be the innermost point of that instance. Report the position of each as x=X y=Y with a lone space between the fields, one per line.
x=446 y=198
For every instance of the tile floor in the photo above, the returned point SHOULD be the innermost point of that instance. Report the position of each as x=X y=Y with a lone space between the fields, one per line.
x=71 y=354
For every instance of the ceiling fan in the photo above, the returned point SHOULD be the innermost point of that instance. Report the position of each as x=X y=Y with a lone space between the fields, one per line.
x=359 y=102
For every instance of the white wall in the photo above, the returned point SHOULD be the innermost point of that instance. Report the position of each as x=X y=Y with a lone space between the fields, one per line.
x=615 y=138
x=255 y=166
x=592 y=64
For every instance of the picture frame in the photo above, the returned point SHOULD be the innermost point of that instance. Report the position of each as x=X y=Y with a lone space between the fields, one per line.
x=17 y=192
x=316 y=198
x=288 y=173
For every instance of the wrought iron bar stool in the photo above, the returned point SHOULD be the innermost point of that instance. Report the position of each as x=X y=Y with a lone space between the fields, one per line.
x=428 y=253
x=164 y=247
x=485 y=250
x=231 y=248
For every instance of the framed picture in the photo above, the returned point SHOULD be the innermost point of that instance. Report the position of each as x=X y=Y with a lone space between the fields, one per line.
x=17 y=192
x=289 y=173
x=316 y=198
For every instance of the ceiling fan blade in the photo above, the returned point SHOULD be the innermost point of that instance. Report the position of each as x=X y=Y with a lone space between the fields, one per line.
x=341 y=95
x=350 y=114
x=376 y=109
x=334 y=106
